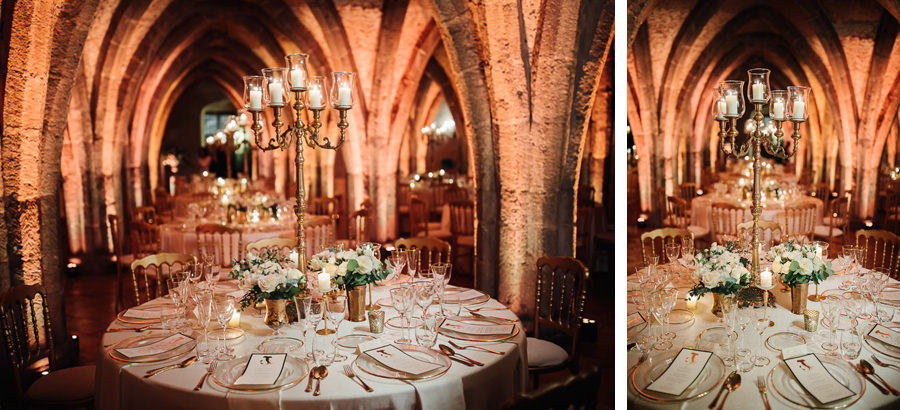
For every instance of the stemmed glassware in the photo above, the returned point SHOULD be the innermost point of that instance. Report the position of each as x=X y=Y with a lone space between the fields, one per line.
x=212 y=274
x=204 y=314
x=424 y=294
x=397 y=260
x=302 y=304
x=376 y=251
x=412 y=258
x=831 y=312
x=849 y=253
x=176 y=292
x=315 y=311
x=336 y=306
x=661 y=308
x=744 y=355
x=729 y=321
x=223 y=306
x=673 y=249
x=761 y=324
x=876 y=283
x=687 y=246
x=402 y=297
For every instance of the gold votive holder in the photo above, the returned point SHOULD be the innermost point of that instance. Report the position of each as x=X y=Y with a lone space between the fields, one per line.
x=376 y=321
x=811 y=320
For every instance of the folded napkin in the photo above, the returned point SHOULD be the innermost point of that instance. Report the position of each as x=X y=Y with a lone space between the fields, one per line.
x=447 y=394
x=244 y=400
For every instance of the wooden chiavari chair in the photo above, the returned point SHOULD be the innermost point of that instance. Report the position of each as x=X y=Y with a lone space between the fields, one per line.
x=653 y=242
x=687 y=191
x=144 y=239
x=148 y=274
x=836 y=220
x=723 y=221
x=821 y=191
x=28 y=342
x=559 y=305
x=433 y=250
x=145 y=214
x=122 y=259
x=799 y=221
x=358 y=228
x=418 y=217
x=223 y=243
x=679 y=211
x=882 y=250
x=768 y=231
x=283 y=245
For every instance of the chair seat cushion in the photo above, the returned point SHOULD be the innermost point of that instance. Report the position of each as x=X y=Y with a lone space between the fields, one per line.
x=71 y=385
x=465 y=240
x=542 y=353
x=822 y=231
x=698 y=231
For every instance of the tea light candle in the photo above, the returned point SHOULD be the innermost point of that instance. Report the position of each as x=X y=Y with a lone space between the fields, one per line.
x=235 y=321
x=731 y=104
x=256 y=99
x=343 y=96
x=296 y=78
x=315 y=98
x=275 y=91
x=765 y=279
x=778 y=110
x=758 y=91
x=691 y=302
x=324 y=281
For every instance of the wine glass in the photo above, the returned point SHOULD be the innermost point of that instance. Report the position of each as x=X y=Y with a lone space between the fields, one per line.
x=659 y=304
x=861 y=253
x=315 y=312
x=194 y=272
x=743 y=318
x=224 y=309
x=831 y=311
x=424 y=294
x=729 y=321
x=301 y=303
x=176 y=293
x=687 y=246
x=212 y=274
x=412 y=261
x=336 y=306
x=877 y=282
x=761 y=324
x=849 y=253
x=397 y=260
x=402 y=298
x=673 y=249
x=204 y=314
x=427 y=332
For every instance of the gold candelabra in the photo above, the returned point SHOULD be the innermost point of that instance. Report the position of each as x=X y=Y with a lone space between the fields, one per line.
x=728 y=106
x=308 y=95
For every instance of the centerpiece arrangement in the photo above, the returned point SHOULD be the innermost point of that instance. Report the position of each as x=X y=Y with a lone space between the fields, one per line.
x=350 y=271
x=270 y=278
x=720 y=270
x=799 y=265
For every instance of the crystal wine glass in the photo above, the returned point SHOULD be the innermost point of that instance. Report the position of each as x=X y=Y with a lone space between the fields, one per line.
x=877 y=282
x=314 y=314
x=687 y=246
x=427 y=332
x=224 y=309
x=212 y=274
x=673 y=249
x=761 y=324
x=849 y=253
x=743 y=318
x=412 y=262
x=402 y=298
x=204 y=314
x=177 y=294
x=424 y=294
x=336 y=306
x=397 y=260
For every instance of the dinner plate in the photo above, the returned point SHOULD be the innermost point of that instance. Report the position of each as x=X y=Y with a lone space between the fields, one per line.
x=397 y=322
x=709 y=379
x=352 y=341
x=280 y=344
x=144 y=340
x=679 y=316
x=231 y=333
x=479 y=321
x=481 y=298
x=139 y=321
x=370 y=366
x=882 y=348
x=226 y=373
x=717 y=335
x=783 y=340
x=890 y=297
x=782 y=381
x=385 y=302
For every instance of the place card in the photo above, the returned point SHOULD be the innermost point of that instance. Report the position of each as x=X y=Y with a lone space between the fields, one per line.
x=262 y=369
x=884 y=335
x=635 y=319
x=170 y=343
x=464 y=295
x=147 y=314
x=816 y=380
x=392 y=357
x=473 y=329
x=682 y=372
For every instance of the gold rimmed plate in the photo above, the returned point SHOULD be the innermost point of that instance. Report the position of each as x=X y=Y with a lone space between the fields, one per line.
x=679 y=316
x=226 y=373
x=231 y=333
x=370 y=366
x=157 y=308
x=782 y=381
x=354 y=340
x=882 y=348
x=451 y=296
x=783 y=340
x=709 y=379
x=479 y=338
x=144 y=340
x=280 y=344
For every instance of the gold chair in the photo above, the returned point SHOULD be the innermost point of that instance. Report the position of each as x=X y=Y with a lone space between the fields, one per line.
x=837 y=219
x=148 y=274
x=223 y=243
x=891 y=220
x=284 y=245
x=821 y=191
x=768 y=230
x=462 y=229
x=576 y=392
x=455 y=194
x=319 y=233
x=660 y=236
x=144 y=239
x=122 y=259
x=687 y=191
x=882 y=250
x=433 y=250
x=28 y=342
x=799 y=221
x=418 y=217
x=723 y=221
x=559 y=305
x=358 y=228
x=679 y=211
x=324 y=206
x=145 y=214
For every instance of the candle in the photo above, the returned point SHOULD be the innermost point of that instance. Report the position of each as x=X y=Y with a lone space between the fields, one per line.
x=758 y=89
x=235 y=321
x=818 y=251
x=343 y=96
x=256 y=99
x=799 y=108
x=275 y=91
x=731 y=103
x=765 y=279
x=778 y=110
x=722 y=109
x=324 y=282
x=315 y=98
x=691 y=302
x=296 y=78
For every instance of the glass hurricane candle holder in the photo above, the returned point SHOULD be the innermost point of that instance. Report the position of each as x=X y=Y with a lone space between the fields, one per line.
x=718 y=104
x=342 y=96
x=297 y=71
x=274 y=93
x=253 y=92
x=732 y=93
x=758 y=87
x=316 y=96
x=798 y=103
x=778 y=105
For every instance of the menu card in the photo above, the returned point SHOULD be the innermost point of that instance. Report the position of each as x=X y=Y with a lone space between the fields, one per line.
x=392 y=357
x=472 y=329
x=635 y=319
x=794 y=351
x=147 y=314
x=464 y=295
x=816 y=380
x=170 y=343
x=682 y=372
x=262 y=369
x=884 y=335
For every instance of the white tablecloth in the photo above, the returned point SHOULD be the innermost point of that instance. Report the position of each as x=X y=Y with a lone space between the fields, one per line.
x=122 y=386
x=701 y=209
x=748 y=396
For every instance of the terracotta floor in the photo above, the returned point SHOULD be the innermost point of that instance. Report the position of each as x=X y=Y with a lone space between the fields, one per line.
x=90 y=298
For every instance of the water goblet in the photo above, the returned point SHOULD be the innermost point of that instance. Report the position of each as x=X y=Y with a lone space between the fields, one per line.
x=177 y=294
x=658 y=306
x=223 y=307
x=743 y=318
x=402 y=297
x=397 y=260
x=212 y=274
x=761 y=324
x=673 y=249
x=204 y=314
x=687 y=246
x=424 y=294
x=412 y=261
x=336 y=308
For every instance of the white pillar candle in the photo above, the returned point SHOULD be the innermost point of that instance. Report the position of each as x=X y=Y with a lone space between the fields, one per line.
x=275 y=91
x=765 y=279
x=315 y=98
x=818 y=251
x=778 y=110
x=297 y=78
x=722 y=109
x=324 y=281
x=343 y=96
x=731 y=103
x=799 y=108
x=255 y=99
x=691 y=302
x=758 y=91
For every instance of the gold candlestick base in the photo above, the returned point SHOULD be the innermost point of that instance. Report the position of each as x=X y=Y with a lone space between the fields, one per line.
x=816 y=297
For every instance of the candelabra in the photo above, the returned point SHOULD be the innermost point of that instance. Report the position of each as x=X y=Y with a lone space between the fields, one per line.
x=308 y=94
x=728 y=106
x=231 y=139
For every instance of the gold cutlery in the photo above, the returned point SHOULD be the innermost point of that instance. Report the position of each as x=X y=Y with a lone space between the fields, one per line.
x=349 y=372
x=493 y=317
x=883 y=364
x=761 y=384
x=866 y=376
x=209 y=371
x=867 y=368
x=485 y=308
x=129 y=329
x=450 y=352
x=644 y=357
x=721 y=389
x=733 y=383
x=476 y=347
x=187 y=362
x=321 y=374
x=312 y=376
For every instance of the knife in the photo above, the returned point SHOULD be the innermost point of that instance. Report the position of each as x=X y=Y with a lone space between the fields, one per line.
x=187 y=362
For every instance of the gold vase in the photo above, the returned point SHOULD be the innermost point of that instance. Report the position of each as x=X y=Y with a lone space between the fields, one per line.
x=798 y=298
x=719 y=302
x=356 y=304
x=276 y=314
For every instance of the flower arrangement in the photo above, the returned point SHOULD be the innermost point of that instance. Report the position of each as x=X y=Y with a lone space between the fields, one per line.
x=269 y=275
x=349 y=269
x=720 y=270
x=799 y=264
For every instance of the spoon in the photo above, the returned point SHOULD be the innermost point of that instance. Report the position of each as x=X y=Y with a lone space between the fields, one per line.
x=320 y=374
x=187 y=362
x=312 y=376
x=867 y=368
x=450 y=352
x=733 y=383
x=721 y=389
x=883 y=364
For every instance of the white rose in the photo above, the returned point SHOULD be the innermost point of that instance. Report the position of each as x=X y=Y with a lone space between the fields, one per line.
x=347 y=255
x=269 y=283
x=806 y=266
x=292 y=273
x=315 y=264
x=342 y=269
x=331 y=269
x=711 y=279
x=776 y=267
x=293 y=258
x=366 y=264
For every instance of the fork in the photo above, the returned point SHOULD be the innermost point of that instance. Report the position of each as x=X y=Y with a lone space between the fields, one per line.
x=476 y=347
x=761 y=383
x=883 y=364
x=485 y=308
x=209 y=371
x=349 y=372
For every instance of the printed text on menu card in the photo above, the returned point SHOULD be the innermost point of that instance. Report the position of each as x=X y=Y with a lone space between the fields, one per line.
x=394 y=358
x=885 y=335
x=635 y=319
x=815 y=379
x=161 y=346
x=471 y=329
x=262 y=369
x=682 y=372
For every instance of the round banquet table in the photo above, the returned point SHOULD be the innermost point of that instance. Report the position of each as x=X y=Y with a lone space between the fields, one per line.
x=748 y=396
x=122 y=385
x=182 y=238
x=701 y=209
